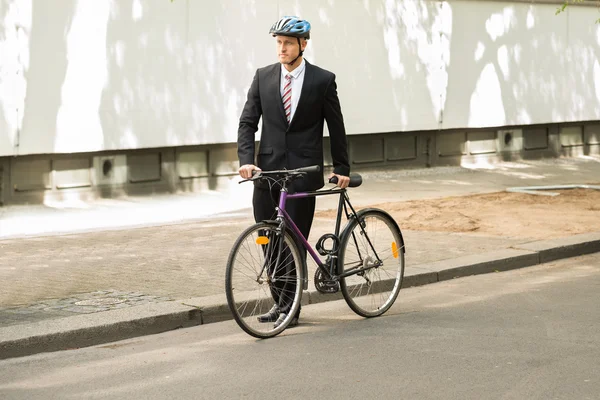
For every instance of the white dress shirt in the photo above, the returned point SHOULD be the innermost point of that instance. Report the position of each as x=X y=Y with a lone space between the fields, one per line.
x=297 y=81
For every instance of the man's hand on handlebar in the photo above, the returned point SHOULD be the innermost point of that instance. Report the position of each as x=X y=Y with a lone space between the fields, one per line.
x=342 y=181
x=246 y=171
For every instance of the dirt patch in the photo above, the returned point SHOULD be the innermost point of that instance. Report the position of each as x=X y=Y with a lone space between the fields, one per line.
x=504 y=214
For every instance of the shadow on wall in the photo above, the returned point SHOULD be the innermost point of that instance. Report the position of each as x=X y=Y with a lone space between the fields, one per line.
x=45 y=73
x=145 y=89
x=169 y=74
x=173 y=78
x=170 y=70
x=407 y=35
x=384 y=53
x=412 y=36
x=6 y=131
x=174 y=73
x=499 y=76
x=131 y=73
x=520 y=65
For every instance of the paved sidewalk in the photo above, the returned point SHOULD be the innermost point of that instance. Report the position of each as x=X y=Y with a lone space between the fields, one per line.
x=79 y=274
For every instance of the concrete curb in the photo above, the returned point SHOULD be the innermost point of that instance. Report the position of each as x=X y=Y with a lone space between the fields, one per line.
x=109 y=326
x=93 y=329
x=577 y=245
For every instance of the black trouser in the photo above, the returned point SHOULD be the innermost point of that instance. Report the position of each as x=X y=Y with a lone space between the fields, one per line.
x=302 y=212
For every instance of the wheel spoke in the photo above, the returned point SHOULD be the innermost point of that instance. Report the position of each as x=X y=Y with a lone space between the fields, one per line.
x=250 y=294
x=372 y=291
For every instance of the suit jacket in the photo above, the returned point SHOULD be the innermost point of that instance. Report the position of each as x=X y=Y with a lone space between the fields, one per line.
x=301 y=143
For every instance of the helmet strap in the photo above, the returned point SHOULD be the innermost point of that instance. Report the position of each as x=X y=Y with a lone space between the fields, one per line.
x=299 y=55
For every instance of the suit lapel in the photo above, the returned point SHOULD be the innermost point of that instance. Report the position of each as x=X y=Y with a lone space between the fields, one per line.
x=304 y=93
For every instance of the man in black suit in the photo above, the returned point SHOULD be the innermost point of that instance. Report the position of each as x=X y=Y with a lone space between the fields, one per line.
x=294 y=99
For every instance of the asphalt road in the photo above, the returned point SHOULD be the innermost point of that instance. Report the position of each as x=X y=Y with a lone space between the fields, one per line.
x=526 y=334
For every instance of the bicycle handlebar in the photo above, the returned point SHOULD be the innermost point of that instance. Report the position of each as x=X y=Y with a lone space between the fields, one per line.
x=355 y=180
x=312 y=168
x=285 y=173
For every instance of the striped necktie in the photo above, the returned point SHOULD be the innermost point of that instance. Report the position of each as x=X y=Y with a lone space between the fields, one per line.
x=287 y=97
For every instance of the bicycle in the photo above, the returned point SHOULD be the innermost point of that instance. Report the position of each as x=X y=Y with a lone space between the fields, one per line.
x=266 y=260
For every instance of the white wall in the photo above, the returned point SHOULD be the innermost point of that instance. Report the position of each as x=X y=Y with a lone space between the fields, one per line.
x=514 y=64
x=94 y=75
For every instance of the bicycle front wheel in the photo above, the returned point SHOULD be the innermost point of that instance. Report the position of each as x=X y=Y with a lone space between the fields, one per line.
x=263 y=270
x=372 y=258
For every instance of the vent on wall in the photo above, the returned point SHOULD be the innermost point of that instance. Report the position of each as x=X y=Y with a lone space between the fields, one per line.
x=510 y=140
x=110 y=170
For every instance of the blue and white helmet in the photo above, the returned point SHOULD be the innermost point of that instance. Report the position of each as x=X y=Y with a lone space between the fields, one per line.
x=291 y=26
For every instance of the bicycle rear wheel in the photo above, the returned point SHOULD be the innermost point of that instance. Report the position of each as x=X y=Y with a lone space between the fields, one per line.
x=372 y=247
x=263 y=265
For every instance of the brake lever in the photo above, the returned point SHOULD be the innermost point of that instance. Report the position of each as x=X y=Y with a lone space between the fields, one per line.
x=256 y=176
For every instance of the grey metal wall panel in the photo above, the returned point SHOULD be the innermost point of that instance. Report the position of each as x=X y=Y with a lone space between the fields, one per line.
x=192 y=164
x=71 y=173
x=31 y=174
x=327 y=159
x=451 y=143
x=535 y=138
x=223 y=161
x=592 y=134
x=366 y=150
x=144 y=167
x=2 y=192
x=571 y=136
x=482 y=142
x=401 y=147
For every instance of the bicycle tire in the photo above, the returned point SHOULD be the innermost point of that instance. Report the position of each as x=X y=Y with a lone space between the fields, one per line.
x=373 y=291
x=248 y=286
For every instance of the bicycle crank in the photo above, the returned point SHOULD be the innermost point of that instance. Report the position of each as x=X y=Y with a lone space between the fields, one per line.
x=324 y=285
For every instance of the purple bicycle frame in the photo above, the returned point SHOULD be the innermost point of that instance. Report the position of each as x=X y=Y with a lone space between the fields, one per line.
x=282 y=213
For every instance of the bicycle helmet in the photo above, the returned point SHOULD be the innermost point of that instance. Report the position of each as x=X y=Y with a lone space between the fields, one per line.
x=294 y=27
x=291 y=26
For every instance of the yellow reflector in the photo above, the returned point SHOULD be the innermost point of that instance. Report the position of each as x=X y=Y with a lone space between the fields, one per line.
x=262 y=240
x=395 y=250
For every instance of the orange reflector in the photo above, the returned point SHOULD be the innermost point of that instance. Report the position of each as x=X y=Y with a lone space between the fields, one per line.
x=395 y=250
x=262 y=240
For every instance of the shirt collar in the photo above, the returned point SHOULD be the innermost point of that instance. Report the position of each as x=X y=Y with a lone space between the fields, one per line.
x=295 y=73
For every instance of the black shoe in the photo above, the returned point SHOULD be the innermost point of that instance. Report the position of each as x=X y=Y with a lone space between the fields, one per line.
x=271 y=316
x=282 y=317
